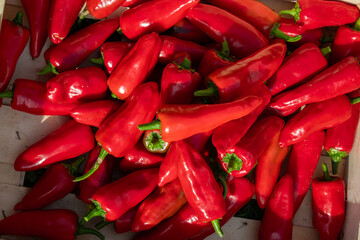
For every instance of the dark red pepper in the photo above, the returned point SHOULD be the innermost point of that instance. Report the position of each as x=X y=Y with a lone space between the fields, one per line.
x=187 y=31
x=102 y=8
x=123 y=223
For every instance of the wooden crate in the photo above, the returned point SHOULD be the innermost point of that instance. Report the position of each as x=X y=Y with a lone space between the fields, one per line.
x=19 y=130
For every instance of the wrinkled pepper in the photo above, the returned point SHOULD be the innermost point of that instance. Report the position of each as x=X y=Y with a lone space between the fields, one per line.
x=102 y=8
x=187 y=31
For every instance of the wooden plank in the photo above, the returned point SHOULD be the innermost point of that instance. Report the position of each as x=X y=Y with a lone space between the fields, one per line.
x=9 y=176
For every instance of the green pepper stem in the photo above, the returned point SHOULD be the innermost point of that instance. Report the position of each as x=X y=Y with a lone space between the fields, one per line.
x=326 y=172
x=156 y=124
x=336 y=157
x=154 y=142
x=74 y=166
x=217 y=227
x=209 y=92
x=185 y=65
x=18 y=18
x=325 y=51
x=83 y=230
x=7 y=94
x=233 y=162
x=98 y=162
x=97 y=211
x=276 y=32
x=355 y=100
x=295 y=12
x=225 y=52
x=49 y=68
x=102 y=224
x=98 y=61
x=222 y=180
x=356 y=26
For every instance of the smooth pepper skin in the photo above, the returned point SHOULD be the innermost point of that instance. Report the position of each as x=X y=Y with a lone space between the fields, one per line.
x=243 y=38
x=346 y=43
x=168 y=168
x=119 y=132
x=102 y=8
x=37 y=12
x=123 y=223
x=62 y=15
x=136 y=66
x=339 y=79
x=277 y=220
x=133 y=3
x=304 y=158
x=68 y=141
x=187 y=31
x=113 y=52
x=315 y=117
x=77 y=86
x=154 y=16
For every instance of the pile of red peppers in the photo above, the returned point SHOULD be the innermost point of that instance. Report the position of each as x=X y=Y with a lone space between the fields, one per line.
x=200 y=106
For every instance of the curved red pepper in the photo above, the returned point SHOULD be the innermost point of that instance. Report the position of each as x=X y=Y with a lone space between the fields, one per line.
x=123 y=223
x=315 y=117
x=336 y=80
x=187 y=31
x=13 y=39
x=154 y=16
x=328 y=205
x=243 y=38
x=242 y=158
x=37 y=12
x=299 y=66
x=303 y=160
x=102 y=8
x=62 y=15
x=277 y=219
x=136 y=66
x=133 y=3
x=68 y=141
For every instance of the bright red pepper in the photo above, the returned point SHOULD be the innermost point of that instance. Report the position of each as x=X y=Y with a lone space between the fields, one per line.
x=102 y=8
x=336 y=80
x=153 y=141
x=114 y=199
x=135 y=67
x=133 y=3
x=56 y=183
x=154 y=16
x=62 y=15
x=301 y=65
x=50 y=224
x=243 y=38
x=328 y=205
x=30 y=96
x=187 y=31
x=123 y=223
x=13 y=39
x=37 y=12
x=68 y=141
x=315 y=117
x=277 y=220
x=240 y=159
x=303 y=160
x=232 y=81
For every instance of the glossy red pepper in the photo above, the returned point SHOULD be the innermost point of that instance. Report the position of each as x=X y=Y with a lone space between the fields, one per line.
x=95 y=112
x=243 y=38
x=30 y=96
x=62 y=15
x=133 y=3
x=187 y=31
x=123 y=223
x=153 y=142
x=37 y=12
x=340 y=139
x=315 y=117
x=50 y=224
x=328 y=205
x=240 y=159
x=135 y=67
x=154 y=16
x=336 y=80
x=312 y=14
x=13 y=39
x=303 y=160
x=68 y=141
x=116 y=198
x=301 y=65
x=102 y=8
x=277 y=220
x=56 y=183
x=232 y=81
x=163 y=203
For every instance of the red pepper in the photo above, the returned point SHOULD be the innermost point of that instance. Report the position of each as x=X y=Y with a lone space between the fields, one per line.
x=240 y=159
x=114 y=199
x=315 y=117
x=30 y=96
x=71 y=52
x=328 y=205
x=340 y=139
x=153 y=141
x=77 y=86
x=136 y=66
x=277 y=220
x=94 y=113
x=13 y=39
x=62 y=15
x=186 y=224
x=37 y=12
x=68 y=141
x=102 y=176
x=243 y=38
x=102 y=8
x=232 y=81
x=187 y=31
x=154 y=16
x=123 y=223
x=163 y=203
x=336 y=80
x=133 y=3
x=303 y=160
x=268 y=170
x=301 y=65
x=50 y=224
x=56 y=183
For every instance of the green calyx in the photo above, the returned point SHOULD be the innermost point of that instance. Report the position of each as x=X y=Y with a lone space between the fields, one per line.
x=156 y=124
x=276 y=32
x=225 y=52
x=336 y=157
x=74 y=166
x=217 y=227
x=185 y=65
x=154 y=142
x=233 y=162
x=356 y=25
x=355 y=100
x=49 y=68
x=325 y=51
x=295 y=12
x=7 y=94
x=96 y=212
x=18 y=18
x=211 y=91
